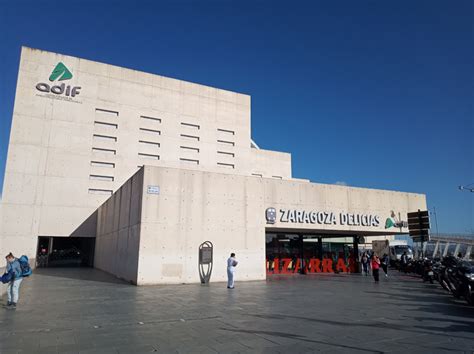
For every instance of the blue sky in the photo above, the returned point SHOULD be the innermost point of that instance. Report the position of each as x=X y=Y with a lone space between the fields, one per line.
x=370 y=93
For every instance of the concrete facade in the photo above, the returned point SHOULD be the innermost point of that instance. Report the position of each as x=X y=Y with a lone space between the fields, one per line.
x=228 y=210
x=67 y=154
x=151 y=167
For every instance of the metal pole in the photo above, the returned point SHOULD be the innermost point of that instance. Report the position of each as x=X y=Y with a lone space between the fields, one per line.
x=436 y=220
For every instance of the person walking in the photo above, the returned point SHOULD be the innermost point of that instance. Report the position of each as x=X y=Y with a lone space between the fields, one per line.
x=231 y=264
x=375 y=267
x=365 y=263
x=13 y=289
x=385 y=262
x=404 y=261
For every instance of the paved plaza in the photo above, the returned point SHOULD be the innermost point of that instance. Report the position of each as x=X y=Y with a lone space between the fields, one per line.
x=87 y=311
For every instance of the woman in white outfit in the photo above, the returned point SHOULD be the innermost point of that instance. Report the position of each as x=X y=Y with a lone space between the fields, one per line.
x=231 y=264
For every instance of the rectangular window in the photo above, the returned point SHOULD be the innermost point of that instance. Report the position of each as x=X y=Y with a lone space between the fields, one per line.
x=188 y=148
x=101 y=178
x=106 y=111
x=102 y=164
x=158 y=120
x=149 y=156
x=149 y=143
x=190 y=137
x=99 y=137
x=225 y=153
x=105 y=125
x=228 y=165
x=100 y=191
x=152 y=131
x=189 y=125
x=277 y=177
x=106 y=151
x=226 y=142
x=194 y=162
x=257 y=175
x=226 y=131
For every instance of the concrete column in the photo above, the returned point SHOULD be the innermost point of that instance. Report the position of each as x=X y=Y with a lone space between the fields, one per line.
x=468 y=252
x=436 y=249
x=456 y=251
x=445 y=253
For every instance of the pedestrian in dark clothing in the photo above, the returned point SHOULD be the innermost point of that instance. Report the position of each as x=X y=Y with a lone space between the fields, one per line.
x=365 y=263
x=385 y=262
x=404 y=261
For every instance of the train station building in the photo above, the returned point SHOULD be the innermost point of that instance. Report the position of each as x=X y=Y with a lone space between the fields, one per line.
x=131 y=172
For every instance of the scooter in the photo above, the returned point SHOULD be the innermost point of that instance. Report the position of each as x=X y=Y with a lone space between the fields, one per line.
x=427 y=271
x=463 y=278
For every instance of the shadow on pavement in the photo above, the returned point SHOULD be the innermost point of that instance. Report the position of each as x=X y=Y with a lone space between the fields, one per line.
x=87 y=274
x=298 y=337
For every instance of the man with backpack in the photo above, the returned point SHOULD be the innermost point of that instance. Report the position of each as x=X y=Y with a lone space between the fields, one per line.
x=13 y=289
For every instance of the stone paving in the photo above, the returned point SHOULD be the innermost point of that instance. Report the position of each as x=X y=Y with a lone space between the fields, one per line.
x=87 y=311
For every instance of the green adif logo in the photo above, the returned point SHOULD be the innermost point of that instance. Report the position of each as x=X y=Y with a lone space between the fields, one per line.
x=59 y=73
x=392 y=221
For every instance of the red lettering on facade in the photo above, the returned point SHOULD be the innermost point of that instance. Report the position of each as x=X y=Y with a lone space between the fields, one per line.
x=327 y=265
x=341 y=265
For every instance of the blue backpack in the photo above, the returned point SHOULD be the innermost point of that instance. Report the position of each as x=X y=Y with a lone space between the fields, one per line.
x=7 y=277
x=25 y=266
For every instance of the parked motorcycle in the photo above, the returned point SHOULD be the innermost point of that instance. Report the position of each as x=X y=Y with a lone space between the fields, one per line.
x=427 y=270
x=463 y=279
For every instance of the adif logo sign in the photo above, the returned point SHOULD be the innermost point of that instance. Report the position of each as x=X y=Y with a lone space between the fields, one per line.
x=59 y=73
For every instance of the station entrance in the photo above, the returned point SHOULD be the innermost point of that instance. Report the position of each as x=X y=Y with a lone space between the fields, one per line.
x=65 y=251
x=292 y=253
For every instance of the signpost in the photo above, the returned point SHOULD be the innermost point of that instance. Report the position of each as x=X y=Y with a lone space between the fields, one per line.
x=419 y=226
x=205 y=261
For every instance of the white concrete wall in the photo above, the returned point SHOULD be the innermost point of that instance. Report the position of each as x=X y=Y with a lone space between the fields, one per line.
x=48 y=183
x=194 y=207
x=118 y=230
x=229 y=211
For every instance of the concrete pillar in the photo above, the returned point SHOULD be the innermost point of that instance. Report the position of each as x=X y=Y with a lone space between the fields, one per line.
x=436 y=249
x=456 y=251
x=445 y=253
x=468 y=252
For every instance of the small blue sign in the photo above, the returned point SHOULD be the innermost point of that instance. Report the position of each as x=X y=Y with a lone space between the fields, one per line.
x=153 y=190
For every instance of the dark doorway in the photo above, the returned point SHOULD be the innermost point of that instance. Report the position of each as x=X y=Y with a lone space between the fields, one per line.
x=65 y=251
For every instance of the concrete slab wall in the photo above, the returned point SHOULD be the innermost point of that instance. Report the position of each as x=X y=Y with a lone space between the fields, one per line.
x=230 y=211
x=118 y=230
x=66 y=154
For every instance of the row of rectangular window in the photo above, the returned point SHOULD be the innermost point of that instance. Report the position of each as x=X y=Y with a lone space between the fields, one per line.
x=190 y=125
x=149 y=156
x=106 y=151
x=98 y=123
x=101 y=178
x=151 y=118
x=149 y=143
x=100 y=137
x=226 y=131
x=260 y=175
x=189 y=148
x=228 y=165
x=192 y=161
x=100 y=191
x=106 y=111
x=103 y=164
x=226 y=153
